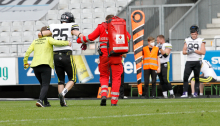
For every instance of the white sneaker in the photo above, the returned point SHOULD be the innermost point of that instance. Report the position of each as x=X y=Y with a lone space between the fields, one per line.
x=185 y=95
x=125 y=97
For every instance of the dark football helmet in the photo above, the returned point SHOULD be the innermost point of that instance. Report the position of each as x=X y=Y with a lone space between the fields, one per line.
x=67 y=17
x=194 y=29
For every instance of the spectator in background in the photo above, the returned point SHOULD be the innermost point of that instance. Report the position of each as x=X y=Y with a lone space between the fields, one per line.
x=42 y=63
x=208 y=75
x=151 y=65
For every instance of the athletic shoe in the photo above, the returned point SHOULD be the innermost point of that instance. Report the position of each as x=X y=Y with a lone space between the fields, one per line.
x=47 y=104
x=125 y=97
x=62 y=100
x=165 y=96
x=185 y=95
x=103 y=101
x=195 y=95
x=172 y=96
x=114 y=105
x=39 y=103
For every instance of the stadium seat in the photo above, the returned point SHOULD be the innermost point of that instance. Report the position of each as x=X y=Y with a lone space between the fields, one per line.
x=29 y=22
x=26 y=39
x=5 y=27
x=98 y=20
x=52 y=11
x=51 y=17
x=76 y=15
x=4 y=50
x=96 y=1
x=15 y=39
x=125 y=1
x=44 y=23
x=86 y=5
x=97 y=5
x=16 y=26
x=109 y=0
x=88 y=20
x=86 y=1
x=102 y=10
x=63 y=6
x=75 y=1
x=53 y=22
x=99 y=15
x=27 y=33
x=38 y=27
x=28 y=27
x=8 y=34
x=86 y=31
x=74 y=6
x=86 y=15
x=112 y=10
x=62 y=11
x=121 y=4
x=78 y=21
x=109 y=4
x=64 y=1
x=86 y=26
x=75 y=11
x=14 y=51
x=16 y=34
x=4 y=39
x=87 y=10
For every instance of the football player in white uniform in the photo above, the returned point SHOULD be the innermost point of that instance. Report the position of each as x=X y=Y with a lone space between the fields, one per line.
x=63 y=58
x=194 y=48
x=164 y=54
x=208 y=75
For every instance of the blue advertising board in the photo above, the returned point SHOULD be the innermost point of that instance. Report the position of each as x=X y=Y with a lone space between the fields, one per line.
x=28 y=77
x=213 y=56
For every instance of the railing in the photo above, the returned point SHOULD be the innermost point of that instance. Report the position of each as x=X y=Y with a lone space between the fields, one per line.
x=200 y=14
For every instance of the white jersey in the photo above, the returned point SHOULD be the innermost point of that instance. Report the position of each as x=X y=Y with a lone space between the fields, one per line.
x=63 y=32
x=195 y=44
x=162 y=58
x=208 y=70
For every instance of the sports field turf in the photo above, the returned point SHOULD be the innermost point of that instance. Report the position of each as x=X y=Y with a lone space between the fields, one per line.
x=136 y=112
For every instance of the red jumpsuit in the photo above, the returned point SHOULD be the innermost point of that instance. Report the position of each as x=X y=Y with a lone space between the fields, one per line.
x=115 y=62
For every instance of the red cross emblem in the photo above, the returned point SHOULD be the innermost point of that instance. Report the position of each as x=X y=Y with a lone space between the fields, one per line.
x=120 y=37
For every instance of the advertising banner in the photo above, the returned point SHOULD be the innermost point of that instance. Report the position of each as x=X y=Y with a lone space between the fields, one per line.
x=8 y=71
x=213 y=56
x=28 y=77
x=23 y=10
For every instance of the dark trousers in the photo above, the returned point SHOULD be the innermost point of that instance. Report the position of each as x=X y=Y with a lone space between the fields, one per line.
x=43 y=74
x=121 y=91
x=147 y=74
x=189 y=67
x=164 y=76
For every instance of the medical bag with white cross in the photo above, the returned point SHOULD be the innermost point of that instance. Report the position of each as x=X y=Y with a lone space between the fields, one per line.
x=117 y=36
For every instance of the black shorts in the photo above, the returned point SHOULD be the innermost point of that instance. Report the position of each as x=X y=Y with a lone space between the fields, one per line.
x=63 y=61
x=205 y=79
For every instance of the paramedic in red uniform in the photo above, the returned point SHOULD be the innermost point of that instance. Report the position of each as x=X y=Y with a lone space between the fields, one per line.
x=106 y=62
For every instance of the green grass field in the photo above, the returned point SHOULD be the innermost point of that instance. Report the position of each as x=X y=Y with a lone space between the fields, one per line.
x=135 y=112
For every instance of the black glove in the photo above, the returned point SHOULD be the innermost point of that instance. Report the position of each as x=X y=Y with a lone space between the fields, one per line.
x=84 y=46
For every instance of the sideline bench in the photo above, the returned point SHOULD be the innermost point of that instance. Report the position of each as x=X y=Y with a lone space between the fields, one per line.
x=207 y=86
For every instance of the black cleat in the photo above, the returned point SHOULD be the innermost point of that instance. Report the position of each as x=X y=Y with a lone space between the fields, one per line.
x=47 y=104
x=62 y=100
x=103 y=101
x=39 y=103
x=172 y=96
x=114 y=105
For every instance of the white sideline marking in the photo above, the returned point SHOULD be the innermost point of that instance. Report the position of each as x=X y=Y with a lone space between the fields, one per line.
x=169 y=101
x=98 y=117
